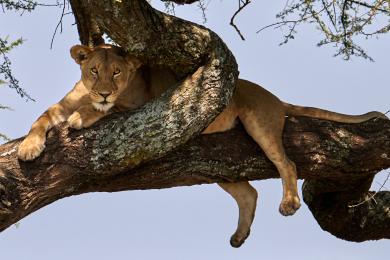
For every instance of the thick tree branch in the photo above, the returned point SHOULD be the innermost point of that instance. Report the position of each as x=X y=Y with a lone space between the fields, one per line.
x=337 y=155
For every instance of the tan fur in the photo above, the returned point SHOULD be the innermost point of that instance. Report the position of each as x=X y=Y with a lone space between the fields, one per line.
x=110 y=75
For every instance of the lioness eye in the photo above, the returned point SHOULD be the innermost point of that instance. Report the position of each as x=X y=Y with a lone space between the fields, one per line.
x=94 y=71
x=117 y=72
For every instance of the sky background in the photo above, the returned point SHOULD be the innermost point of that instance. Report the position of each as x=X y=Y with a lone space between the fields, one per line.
x=189 y=222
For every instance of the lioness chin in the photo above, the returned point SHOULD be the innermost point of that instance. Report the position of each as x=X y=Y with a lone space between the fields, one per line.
x=111 y=81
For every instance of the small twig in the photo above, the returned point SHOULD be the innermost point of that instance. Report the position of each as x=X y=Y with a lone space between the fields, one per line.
x=6 y=108
x=170 y=8
x=369 y=6
x=49 y=5
x=292 y=28
x=380 y=31
x=202 y=7
x=241 y=5
x=59 y=24
x=372 y=196
x=344 y=17
x=331 y=18
x=276 y=24
x=335 y=15
x=378 y=183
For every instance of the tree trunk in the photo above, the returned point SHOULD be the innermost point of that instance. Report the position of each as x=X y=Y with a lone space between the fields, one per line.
x=151 y=147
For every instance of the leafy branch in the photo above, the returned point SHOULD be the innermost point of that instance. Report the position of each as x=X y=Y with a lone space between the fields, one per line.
x=342 y=22
x=2 y=136
x=20 y=5
x=5 y=66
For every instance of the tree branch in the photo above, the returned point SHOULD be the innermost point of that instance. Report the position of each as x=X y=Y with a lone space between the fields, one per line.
x=241 y=6
x=340 y=156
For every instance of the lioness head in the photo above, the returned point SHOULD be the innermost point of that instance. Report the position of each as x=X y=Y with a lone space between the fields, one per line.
x=106 y=71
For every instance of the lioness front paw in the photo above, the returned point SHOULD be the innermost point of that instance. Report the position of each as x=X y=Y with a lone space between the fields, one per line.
x=31 y=148
x=75 y=121
x=289 y=205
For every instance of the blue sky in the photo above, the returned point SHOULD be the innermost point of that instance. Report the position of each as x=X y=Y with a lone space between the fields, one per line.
x=189 y=222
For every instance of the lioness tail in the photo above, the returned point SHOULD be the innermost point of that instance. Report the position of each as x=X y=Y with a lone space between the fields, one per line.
x=293 y=110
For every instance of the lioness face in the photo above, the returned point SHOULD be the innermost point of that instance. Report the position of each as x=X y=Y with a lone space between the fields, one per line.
x=105 y=71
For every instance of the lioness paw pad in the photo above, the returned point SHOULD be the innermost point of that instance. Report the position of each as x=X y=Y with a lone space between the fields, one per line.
x=75 y=121
x=31 y=148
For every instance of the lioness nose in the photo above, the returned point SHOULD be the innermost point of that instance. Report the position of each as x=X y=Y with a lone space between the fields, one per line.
x=104 y=94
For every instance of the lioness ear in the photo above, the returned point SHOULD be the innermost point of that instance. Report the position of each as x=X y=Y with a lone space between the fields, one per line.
x=134 y=61
x=79 y=53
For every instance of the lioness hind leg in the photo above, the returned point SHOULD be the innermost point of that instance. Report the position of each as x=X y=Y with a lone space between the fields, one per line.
x=268 y=135
x=290 y=201
x=246 y=198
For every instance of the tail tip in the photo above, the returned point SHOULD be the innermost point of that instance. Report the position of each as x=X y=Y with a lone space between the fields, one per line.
x=376 y=114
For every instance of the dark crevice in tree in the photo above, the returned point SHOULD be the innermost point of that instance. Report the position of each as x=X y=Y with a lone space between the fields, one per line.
x=89 y=32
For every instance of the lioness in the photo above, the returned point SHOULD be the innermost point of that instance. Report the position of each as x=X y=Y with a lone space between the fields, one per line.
x=111 y=81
